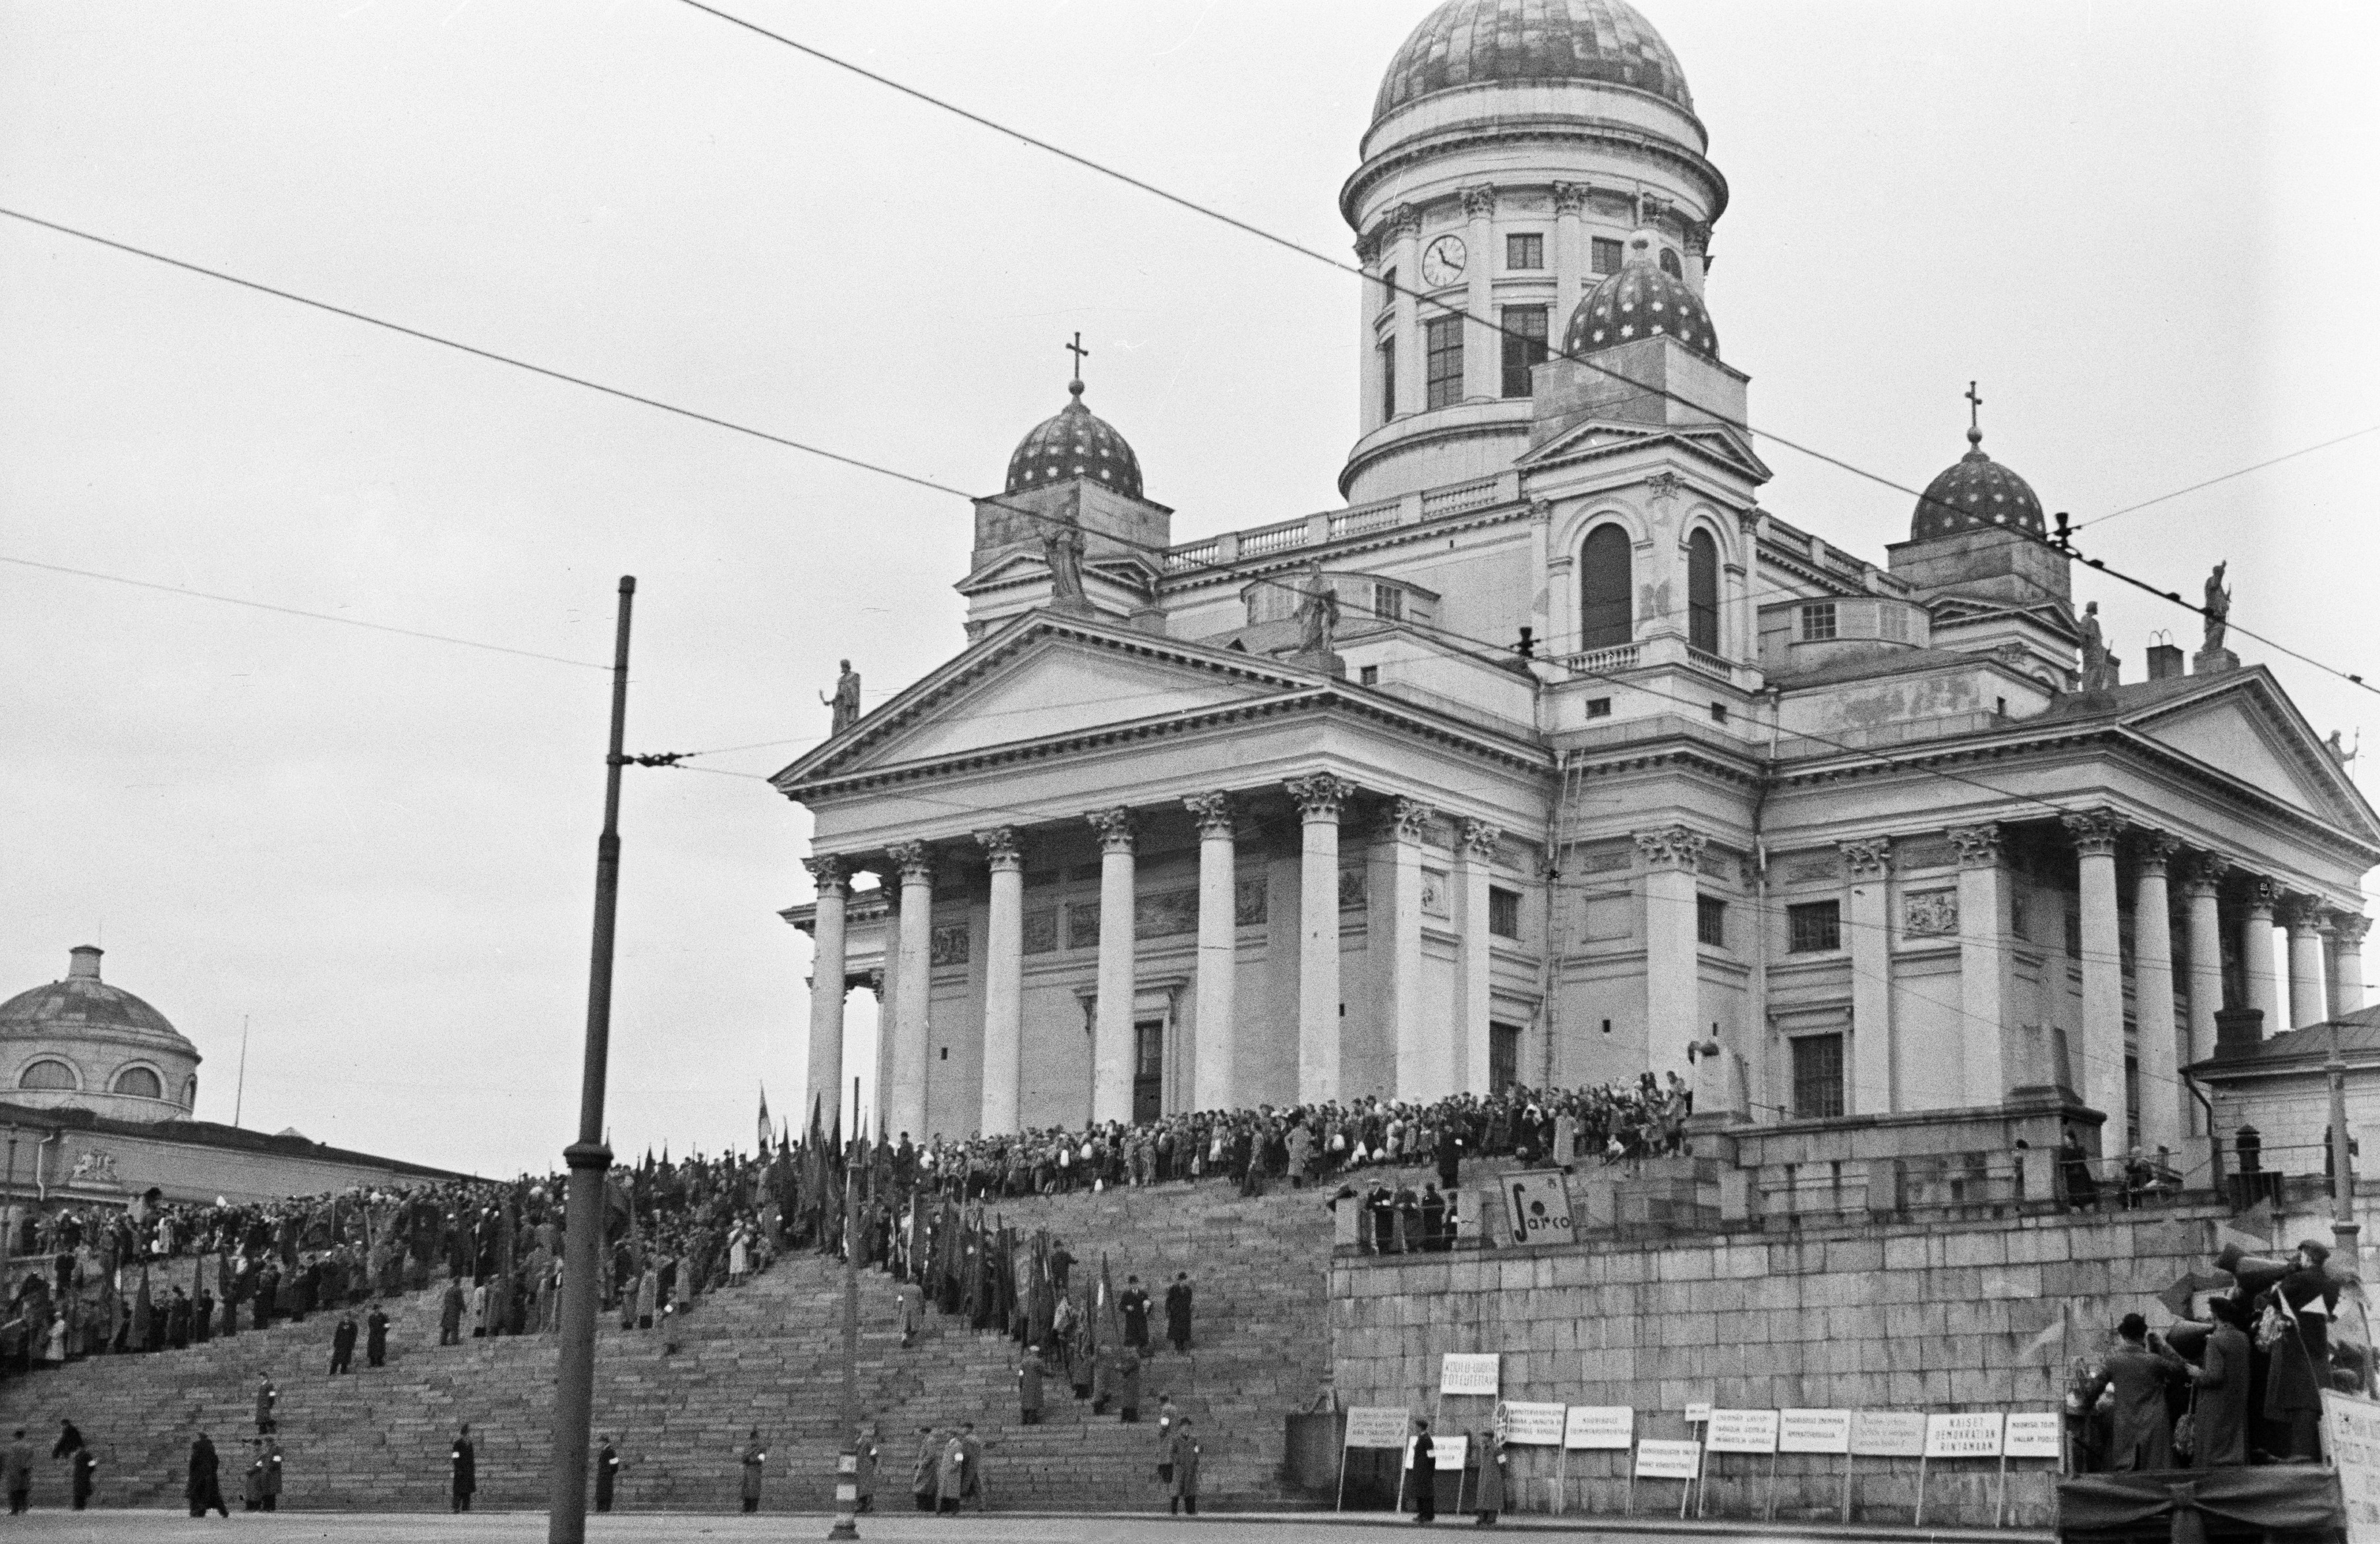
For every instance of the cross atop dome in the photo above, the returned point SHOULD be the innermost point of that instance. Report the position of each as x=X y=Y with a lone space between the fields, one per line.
x=1975 y=489
x=1074 y=442
x=1080 y=353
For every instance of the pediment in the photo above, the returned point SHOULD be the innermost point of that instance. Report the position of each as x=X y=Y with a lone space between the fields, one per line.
x=1026 y=565
x=2243 y=734
x=1596 y=438
x=1042 y=678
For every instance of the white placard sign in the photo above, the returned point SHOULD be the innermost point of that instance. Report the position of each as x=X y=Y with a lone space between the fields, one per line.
x=1446 y=1454
x=1536 y=1207
x=1814 y=1431
x=1531 y=1426
x=1974 y=1434
x=1698 y=1415
x=1887 y=1434
x=2351 y=1437
x=1742 y=1431
x=1378 y=1426
x=2031 y=1434
x=1658 y=1460
x=1604 y=1427
x=1466 y=1373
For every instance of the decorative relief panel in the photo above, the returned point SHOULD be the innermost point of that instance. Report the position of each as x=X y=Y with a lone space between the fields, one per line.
x=1041 y=931
x=1715 y=866
x=1248 y=901
x=1609 y=860
x=1353 y=894
x=950 y=943
x=1083 y=925
x=1812 y=871
x=1164 y=914
x=1433 y=893
x=1929 y=913
x=1923 y=853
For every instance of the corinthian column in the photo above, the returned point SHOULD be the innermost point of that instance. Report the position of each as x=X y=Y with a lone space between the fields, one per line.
x=1319 y=796
x=1475 y=863
x=1570 y=257
x=1867 y=935
x=1672 y=956
x=1483 y=353
x=1983 y=963
x=2161 y=1091
x=1421 y=1057
x=912 y=992
x=1112 y=1029
x=2347 y=962
x=1003 y=982
x=2096 y=834
x=1404 y=231
x=1215 y=1001
x=2201 y=889
x=2304 y=918
x=827 y=970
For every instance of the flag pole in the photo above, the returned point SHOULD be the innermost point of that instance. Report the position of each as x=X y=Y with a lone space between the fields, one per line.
x=846 y=1463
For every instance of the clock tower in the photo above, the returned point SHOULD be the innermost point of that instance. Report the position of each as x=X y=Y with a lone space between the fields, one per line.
x=1516 y=148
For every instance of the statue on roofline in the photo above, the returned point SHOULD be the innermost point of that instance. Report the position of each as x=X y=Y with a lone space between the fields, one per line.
x=845 y=702
x=2219 y=607
x=1317 y=612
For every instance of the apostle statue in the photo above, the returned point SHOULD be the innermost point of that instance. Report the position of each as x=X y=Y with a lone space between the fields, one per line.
x=1317 y=612
x=2218 y=608
x=1061 y=549
x=2338 y=747
x=844 y=703
x=2094 y=651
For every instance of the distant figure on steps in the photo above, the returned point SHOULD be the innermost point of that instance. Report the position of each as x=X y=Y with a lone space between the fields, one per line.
x=271 y=1466
x=755 y=1460
x=1181 y=1459
x=204 y=1488
x=466 y=1461
x=268 y=1399
x=1028 y=1387
x=252 y=1483
x=1177 y=1313
x=607 y=1474
x=450 y=1313
x=376 y=1338
x=343 y=1345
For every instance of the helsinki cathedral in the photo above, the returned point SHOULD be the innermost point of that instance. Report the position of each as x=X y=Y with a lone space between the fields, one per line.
x=1553 y=756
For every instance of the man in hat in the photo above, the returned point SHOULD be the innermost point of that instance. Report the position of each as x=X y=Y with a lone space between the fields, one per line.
x=1177 y=1313
x=2140 y=1369
x=1028 y=1387
x=2306 y=1298
x=1425 y=1475
x=607 y=1474
x=1134 y=1306
x=1181 y=1469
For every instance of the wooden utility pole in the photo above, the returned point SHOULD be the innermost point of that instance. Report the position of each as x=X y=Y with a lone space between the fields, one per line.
x=846 y=1463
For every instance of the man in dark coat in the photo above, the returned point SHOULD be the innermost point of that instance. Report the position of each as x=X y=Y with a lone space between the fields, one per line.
x=1028 y=1388
x=607 y=1474
x=343 y=1345
x=2221 y=1422
x=268 y=1399
x=2301 y=1364
x=755 y=1462
x=1134 y=1306
x=1177 y=1313
x=1182 y=1462
x=1128 y=1384
x=1425 y=1475
x=202 y=1318
x=2140 y=1374
x=177 y=1321
x=376 y=1338
x=450 y=1313
x=464 y=1460
x=204 y=1488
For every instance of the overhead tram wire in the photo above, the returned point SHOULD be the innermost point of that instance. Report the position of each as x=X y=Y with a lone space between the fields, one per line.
x=1494 y=651
x=2227 y=476
x=1449 y=310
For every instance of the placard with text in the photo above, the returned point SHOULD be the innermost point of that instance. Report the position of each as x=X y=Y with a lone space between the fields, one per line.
x=1599 y=1428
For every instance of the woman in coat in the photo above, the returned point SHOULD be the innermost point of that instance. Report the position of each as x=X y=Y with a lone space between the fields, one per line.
x=2221 y=1422
x=1182 y=1457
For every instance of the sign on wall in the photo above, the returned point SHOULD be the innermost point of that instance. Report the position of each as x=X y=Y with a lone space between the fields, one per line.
x=1468 y=1373
x=1446 y=1454
x=1887 y=1434
x=2351 y=1436
x=1531 y=1426
x=1536 y=1207
x=1378 y=1426
x=1742 y=1431
x=1814 y=1431
x=1599 y=1428
x=2031 y=1434
x=1974 y=1434
x=1660 y=1460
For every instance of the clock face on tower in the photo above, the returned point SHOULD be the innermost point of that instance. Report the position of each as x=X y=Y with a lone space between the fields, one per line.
x=1442 y=263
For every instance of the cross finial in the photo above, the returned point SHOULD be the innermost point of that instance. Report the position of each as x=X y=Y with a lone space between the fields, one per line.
x=1974 y=416
x=1080 y=353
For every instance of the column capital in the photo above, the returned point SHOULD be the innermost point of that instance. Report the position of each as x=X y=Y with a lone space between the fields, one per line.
x=916 y=861
x=1570 y=197
x=999 y=843
x=1403 y=224
x=2348 y=928
x=1674 y=847
x=830 y=873
x=1866 y=857
x=1114 y=827
x=1479 y=840
x=2264 y=895
x=1319 y=795
x=1216 y=822
x=1479 y=203
x=2203 y=875
x=2156 y=850
x=2301 y=914
x=876 y=982
x=1368 y=248
x=1978 y=846
x=1410 y=818
x=2094 y=832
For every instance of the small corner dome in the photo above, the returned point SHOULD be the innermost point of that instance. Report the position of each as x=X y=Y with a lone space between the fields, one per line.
x=1642 y=300
x=1074 y=442
x=1976 y=491
x=83 y=1005
x=1470 y=43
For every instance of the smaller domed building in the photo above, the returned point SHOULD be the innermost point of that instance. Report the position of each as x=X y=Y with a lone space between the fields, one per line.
x=102 y=1095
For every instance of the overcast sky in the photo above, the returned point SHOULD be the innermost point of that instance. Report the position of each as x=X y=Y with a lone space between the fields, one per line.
x=2148 y=229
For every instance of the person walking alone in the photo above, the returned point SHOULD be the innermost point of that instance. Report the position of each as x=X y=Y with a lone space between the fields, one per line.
x=754 y=1459
x=464 y=1460
x=607 y=1474
x=450 y=1313
x=1177 y=1314
x=1028 y=1388
x=204 y=1486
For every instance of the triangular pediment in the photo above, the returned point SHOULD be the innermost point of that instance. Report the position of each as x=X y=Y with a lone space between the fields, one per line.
x=2242 y=731
x=1044 y=677
x=1597 y=438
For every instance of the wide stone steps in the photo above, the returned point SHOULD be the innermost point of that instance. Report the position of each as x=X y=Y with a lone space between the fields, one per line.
x=767 y=1353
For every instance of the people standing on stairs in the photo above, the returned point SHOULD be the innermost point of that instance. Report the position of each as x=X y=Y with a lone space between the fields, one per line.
x=464 y=1461
x=203 y=1488
x=1128 y=1385
x=252 y=1482
x=910 y=1307
x=268 y=1400
x=482 y=1303
x=1134 y=1306
x=607 y=1473
x=1177 y=1314
x=865 y=1475
x=1028 y=1387
x=970 y=1466
x=1182 y=1453
x=755 y=1460
x=375 y=1338
x=271 y=1463
x=450 y=1313
x=343 y=1345
x=648 y=1298
x=925 y=1476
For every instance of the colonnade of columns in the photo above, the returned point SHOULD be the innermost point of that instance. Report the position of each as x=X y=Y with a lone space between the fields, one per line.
x=1424 y=1069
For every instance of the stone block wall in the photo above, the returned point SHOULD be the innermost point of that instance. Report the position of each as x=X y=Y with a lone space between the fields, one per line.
x=1936 y=1317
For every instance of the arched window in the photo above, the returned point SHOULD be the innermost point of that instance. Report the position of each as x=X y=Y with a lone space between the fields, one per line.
x=1606 y=591
x=1670 y=265
x=1702 y=591
x=190 y=1093
x=47 y=1075
x=141 y=1083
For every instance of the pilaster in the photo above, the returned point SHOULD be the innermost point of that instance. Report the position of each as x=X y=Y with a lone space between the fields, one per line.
x=1003 y=982
x=1672 y=958
x=1867 y=937
x=2096 y=834
x=1319 y=796
x=1985 y=1075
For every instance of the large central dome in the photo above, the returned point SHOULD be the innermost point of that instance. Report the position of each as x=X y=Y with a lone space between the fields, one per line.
x=1469 y=42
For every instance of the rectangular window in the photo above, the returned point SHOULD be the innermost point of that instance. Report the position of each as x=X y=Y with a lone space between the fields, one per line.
x=1388 y=603
x=1719 y=713
x=1605 y=255
x=1817 y=1077
x=1524 y=347
x=1504 y=912
x=1710 y=921
x=1819 y=622
x=1370 y=676
x=1814 y=927
x=1445 y=377
x=1504 y=1056
x=1525 y=251
x=1388 y=380
x=2073 y=936
x=1598 y=707
x=1388 y=288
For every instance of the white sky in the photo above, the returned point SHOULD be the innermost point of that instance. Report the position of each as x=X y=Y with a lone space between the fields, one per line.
x=2149 y=229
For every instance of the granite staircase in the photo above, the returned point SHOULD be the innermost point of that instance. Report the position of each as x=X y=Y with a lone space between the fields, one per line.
x=766 y=1354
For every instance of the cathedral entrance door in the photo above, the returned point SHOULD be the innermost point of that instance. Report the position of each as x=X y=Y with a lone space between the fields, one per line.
x=1147 y=1069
